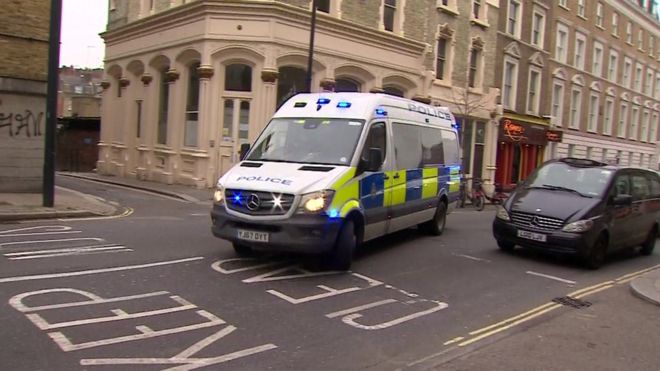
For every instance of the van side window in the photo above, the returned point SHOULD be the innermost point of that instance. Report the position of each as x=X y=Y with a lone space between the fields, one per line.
x=450 y=146
x=433 y=152
x=375 y=139
x=407 y=146
x=622 y=185
x=655 y=185
x=641 y=189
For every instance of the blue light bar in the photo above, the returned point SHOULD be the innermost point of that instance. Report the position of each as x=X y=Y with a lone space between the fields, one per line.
x=381 y=112
x=323 y=101
x=344 y=105
x=333 y=213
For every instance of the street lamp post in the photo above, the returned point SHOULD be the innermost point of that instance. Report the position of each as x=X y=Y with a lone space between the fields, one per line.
x=48 y=192
x=310 y=57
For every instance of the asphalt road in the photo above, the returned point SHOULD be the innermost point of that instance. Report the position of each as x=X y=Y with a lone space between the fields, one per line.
x=155 y=290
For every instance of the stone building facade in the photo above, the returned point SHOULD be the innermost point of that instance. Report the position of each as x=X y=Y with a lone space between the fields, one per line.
x=24 y=30
x=187 y=82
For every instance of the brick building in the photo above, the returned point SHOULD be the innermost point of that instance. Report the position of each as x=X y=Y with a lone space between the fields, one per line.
x=188 y=81
x=24 y=30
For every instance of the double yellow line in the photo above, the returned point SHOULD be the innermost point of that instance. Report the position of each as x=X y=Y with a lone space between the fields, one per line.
x=508 y=323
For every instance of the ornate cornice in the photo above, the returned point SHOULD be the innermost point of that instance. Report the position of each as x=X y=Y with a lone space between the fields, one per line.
x=328 y=84
x=478 y=43
x=171 y=75
x=445 y=31
x=105 y=84
x=269 y=76
x=205 y=72
x=124 y=82
x=146 y=79
x=422 y=99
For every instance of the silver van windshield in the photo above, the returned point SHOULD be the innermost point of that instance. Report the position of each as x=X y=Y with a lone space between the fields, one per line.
x=588 y=181
x=308 y=140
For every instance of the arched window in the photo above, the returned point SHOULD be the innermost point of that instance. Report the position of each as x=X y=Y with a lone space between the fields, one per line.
x=391 y=90
x=163 y=107
x=238 y=77
x=347 y=85
x=192 y=107
x=291 y=81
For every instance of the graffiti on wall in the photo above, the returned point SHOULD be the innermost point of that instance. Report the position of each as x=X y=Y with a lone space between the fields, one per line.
x=25 y=123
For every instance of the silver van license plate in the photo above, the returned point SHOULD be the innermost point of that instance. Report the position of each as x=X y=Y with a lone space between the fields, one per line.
x=532 y=236
x=252 y=236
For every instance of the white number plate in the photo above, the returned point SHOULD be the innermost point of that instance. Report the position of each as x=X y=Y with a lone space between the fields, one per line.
x=252 y=236
x=532 y=236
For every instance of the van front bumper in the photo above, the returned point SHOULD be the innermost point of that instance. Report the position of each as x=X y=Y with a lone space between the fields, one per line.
x=301 y=233
x=556 y=241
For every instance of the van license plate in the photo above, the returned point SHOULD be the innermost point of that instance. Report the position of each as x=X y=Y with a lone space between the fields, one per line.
x=252 y=236
x=532 y=236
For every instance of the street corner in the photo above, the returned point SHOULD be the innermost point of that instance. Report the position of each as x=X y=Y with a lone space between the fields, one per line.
x=647 y=287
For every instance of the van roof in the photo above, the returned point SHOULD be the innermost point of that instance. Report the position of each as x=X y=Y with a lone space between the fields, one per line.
x=360 y=105
x=583 y=162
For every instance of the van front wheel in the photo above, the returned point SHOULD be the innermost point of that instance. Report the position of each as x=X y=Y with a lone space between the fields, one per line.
x=342 y=255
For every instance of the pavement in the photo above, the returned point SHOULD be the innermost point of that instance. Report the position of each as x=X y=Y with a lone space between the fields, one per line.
x=16 y=207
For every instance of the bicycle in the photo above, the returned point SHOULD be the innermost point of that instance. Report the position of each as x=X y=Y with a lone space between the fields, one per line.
x=476 y=195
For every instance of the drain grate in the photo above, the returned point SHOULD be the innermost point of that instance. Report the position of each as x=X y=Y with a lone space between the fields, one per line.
x=572 y=302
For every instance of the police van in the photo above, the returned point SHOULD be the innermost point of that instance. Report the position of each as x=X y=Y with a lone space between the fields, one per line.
x=333 y=170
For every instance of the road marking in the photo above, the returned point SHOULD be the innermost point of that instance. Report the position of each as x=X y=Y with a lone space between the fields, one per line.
x=48 y=229
x=17 y=301
x=96 y=271
x=70 y=249
x=551 y=277
x=127 y=212
x=529 y=312
x=199 y=214
x=351 y=318
x=472 y=258
x=48 y=241
x=87 y=251
x=361 y=307
x=454 y=340
x=217 y=266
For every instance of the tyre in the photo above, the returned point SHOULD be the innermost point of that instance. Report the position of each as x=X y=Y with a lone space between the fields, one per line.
x=242 y=250
x=436 y=225
x=595 y=256
x=479 y=202
x=341 y=256
x=649 y=244
x=505 y=246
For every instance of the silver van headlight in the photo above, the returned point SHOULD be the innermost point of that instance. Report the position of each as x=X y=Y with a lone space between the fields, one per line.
x=502 y=213
x=315 y=202
x=579 y=226
x=219 y=195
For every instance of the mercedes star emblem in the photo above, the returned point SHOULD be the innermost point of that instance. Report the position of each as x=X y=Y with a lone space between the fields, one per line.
x=253 y=202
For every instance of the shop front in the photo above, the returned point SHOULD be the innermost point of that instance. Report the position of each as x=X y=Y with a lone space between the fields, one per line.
x=520 y=149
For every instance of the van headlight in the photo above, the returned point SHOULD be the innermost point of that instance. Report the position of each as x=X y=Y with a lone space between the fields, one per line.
x=316 y=202
x=502 y=214
x=219 y=195
x=579 y=226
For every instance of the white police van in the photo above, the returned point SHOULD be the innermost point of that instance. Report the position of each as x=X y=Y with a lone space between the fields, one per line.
x=333 y=170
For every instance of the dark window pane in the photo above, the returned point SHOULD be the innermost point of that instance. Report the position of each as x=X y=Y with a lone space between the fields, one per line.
x=323 y=6
x=478 y=160
x=467 y=127
x=346 y=85
x=238 y=77
x=440 y=61
x=432 y=149
x=193 y=88
x=376 y=139
x=291 y=81
x=407 y=146
x=163 y=109
x=393 y=91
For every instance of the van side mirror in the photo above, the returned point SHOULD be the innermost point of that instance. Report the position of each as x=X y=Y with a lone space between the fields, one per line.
x=375 y=159
x=245 y=148
x=622 y=200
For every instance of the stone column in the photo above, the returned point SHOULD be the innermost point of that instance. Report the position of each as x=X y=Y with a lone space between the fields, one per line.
x=105 y=140
x=269 y=94
x=205 y=139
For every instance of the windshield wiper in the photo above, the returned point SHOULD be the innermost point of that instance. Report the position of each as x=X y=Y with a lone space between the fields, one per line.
x=266 y=159
x=560 y=188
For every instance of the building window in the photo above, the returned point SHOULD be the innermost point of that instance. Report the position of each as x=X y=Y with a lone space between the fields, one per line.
x=163 y=107
x=609 y=113
x=648 y=82
x=346 y=85
x=538 y=28
x=590 y=152
x=612 y=66
x=238 y=77
x=323 y=6
x=576 y=107
x=627 y=70
x=389 y=12
x=657 y=86
x=580 y=8
x=638 y=78
x=629 y=33
x=640 y=39
x=615 y=24
x=533 y=91
x=562 y=3
x=509 y=83
x=634 y=123
x=474 y=67
x=291 y=81
x=653 y=136
x=651 y=45
x=645 y=126
x=513 y=20
x=138 y=118
x=599 y=14
x=580 y=47
x=557 y=102
x=597 y=68
x=476 y=9
x=592 y=122
x=623 y=118
x=391 y=90
x=571 y=150
x=561 y=43
x=192 y=107
x=441 y=59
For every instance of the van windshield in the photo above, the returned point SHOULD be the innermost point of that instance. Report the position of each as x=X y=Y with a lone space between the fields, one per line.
x=587 y=181
x=308 y=140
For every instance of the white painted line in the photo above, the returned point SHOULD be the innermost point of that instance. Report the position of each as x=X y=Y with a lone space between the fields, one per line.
x=190 y=351
x=17 y=301
x=199 y=214
x=72 y=249
x=472 y=258
x=361 y=307
x=267 y=277
x=351 y=318
x=551 y=277
x=48 y=229
x=217 y=266
x=112 y=250
x=49 y=241
x=96 y=271
x=127 y=211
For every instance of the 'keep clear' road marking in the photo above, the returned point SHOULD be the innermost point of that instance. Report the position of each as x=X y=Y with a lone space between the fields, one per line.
x=21 y=232
x=286 y=271
x=185 y=359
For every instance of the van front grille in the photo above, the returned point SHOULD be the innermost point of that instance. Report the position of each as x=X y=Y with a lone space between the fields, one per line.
x=258 y=202
x=536 y=221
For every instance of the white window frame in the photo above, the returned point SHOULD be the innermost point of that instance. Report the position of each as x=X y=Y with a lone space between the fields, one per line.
x=651 y=45
x=594 y=108
x=481 y=13
x=557 y=105
x=517 y=18
x=397 y=22
x=533 y=97
x=629 y=33
x=637 y=83
x=581 y=9
x=576 y=107
x=648 y=81
x=538 y=27
x=627 y=72
x=562 y=3
x=615 y=24
x=597 y=59
x=599 y=14
x=623 y=118
x=561 y=43
x=656 y=94
x=653 y=134
x=608 y=116
x=579 y=55
x=646 y=119
x=613 y=66
x=634 y=122
x=514 y=82
x=640 y=39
